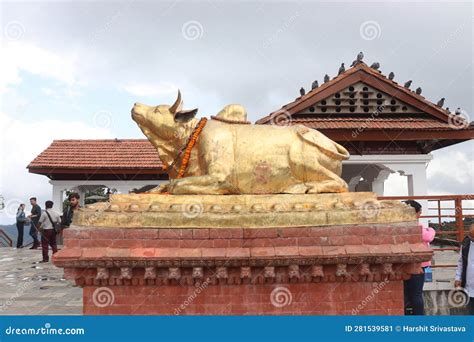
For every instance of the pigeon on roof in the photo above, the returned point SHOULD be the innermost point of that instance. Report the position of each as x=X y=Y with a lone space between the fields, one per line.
x=391 y=76
x=407 y=84
x=341 y=69
x=302 y=91
x=315 y=84
x=359 y=58
x=375 y=65
x=418 y=91
x=441 y=102
x=326 y=78
x=458 y=111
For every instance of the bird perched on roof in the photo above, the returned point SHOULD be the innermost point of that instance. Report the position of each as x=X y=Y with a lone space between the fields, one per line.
x=458 y=111
x=375 y=65
x=391 y=76
x=358 y=59
x=326 y=78
x=315 y=84
x=341 y=69
x=407 y=84
x=418 y=91
x=302 y=91
x=441 y=102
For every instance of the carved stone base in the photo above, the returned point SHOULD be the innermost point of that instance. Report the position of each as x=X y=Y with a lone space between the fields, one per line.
x=339 y=269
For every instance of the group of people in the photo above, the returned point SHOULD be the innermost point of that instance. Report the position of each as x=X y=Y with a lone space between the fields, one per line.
x=47 y=223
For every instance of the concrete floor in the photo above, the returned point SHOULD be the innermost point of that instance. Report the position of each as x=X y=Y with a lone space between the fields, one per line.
x=32 y=288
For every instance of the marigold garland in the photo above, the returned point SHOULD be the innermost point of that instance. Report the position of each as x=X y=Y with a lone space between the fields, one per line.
x=189 y=147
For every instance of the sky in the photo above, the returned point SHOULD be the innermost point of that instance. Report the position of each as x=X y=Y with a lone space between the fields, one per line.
x=73 y=69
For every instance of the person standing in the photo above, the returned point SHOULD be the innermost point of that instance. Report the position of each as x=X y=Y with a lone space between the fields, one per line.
x=465 y=270
x=20 y=224
x=47 y=225
x=413 y=287
x=68 y=212
x=34 y=219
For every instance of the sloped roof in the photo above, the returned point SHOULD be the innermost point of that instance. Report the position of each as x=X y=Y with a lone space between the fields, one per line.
x=112 y=154
x=422 y=114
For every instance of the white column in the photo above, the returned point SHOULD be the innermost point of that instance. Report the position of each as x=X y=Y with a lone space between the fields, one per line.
x=378 y=182
x=57 y=196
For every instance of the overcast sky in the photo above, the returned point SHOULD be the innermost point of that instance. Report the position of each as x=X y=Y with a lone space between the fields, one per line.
x=73 y=69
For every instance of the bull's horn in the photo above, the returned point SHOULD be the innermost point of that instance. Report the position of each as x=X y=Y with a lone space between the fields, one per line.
x=178 y=104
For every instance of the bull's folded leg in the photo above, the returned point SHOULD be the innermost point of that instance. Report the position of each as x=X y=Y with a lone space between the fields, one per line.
x=326 y=186
x=201 y=185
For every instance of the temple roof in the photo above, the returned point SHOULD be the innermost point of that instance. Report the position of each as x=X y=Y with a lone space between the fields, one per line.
x=361 y=101
x=93 y=157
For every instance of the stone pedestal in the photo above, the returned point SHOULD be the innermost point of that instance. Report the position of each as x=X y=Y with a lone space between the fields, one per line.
x=191 y=269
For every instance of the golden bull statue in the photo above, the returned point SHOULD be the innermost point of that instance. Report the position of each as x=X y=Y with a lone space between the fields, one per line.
x=227 y=155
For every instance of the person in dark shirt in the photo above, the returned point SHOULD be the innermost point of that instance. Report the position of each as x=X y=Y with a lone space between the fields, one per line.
x=68 y=212
x=20 y=224
x=34 y=219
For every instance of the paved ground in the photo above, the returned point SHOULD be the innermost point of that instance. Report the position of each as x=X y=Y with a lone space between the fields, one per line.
x=31 y=288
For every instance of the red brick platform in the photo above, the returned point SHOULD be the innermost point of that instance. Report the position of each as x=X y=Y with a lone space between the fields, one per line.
x=335 y=270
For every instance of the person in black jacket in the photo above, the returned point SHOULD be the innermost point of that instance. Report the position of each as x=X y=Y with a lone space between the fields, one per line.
x=34 y=219
x=68 y=212
x=465 y=270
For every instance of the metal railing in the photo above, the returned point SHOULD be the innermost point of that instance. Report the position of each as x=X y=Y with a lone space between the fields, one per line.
x=5 y=240
x=456 y=211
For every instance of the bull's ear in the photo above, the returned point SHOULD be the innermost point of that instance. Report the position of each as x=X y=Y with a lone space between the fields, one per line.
x=185 y=115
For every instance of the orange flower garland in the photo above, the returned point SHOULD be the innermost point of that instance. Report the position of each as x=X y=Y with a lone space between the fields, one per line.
x=189 y=147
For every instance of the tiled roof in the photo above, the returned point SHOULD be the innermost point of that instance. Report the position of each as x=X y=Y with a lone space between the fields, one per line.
x=98 y=154
x=433 y=118
x=367 y=123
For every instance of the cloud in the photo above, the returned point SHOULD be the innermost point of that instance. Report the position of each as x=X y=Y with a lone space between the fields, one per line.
x=150 y=89
x=17 y=57
x=20 y=143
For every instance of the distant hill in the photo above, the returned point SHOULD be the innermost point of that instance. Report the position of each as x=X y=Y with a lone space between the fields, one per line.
x=12 y=232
